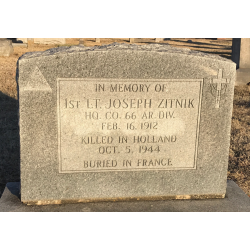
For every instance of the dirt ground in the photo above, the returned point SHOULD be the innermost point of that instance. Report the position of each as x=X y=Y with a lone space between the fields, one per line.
x=239 y=155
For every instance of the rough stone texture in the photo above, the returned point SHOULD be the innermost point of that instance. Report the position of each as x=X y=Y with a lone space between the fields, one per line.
x=6 y=48
x=50 y=40
x=236 y=201
x=37 y=75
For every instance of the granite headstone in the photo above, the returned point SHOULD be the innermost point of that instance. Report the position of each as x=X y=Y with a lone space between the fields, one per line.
x=122 y=122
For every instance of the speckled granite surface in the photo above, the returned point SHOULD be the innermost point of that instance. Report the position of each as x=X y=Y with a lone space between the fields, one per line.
x=37 y=76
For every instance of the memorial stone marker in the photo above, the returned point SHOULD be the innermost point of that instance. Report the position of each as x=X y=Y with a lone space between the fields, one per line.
x=122 y=121
x=50 y=40
x=6 y=48
x=241 y=56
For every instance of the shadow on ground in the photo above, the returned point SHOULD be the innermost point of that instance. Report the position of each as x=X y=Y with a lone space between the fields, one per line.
x=15 y=40
x=9 y=141
x=223 y=50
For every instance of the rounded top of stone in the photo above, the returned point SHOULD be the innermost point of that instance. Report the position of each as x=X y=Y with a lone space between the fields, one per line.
x=164 y=48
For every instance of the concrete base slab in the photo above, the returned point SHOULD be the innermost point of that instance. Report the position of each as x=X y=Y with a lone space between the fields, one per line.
x=90 y=44
x=242 y=76
x=236 y=201
x=24 y=45
x=50 y=40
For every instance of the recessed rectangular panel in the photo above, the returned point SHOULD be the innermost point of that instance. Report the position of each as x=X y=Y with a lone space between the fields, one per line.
x=128 y=125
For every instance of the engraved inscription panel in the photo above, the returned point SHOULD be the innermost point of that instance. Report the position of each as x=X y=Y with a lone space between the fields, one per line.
x=127 y=125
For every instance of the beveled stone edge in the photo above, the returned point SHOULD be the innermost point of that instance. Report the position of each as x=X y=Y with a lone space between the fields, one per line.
x=149 y=198
x=165 y=48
